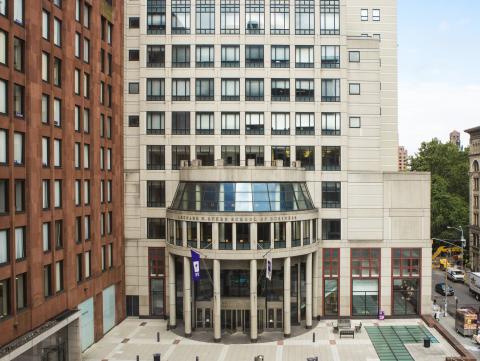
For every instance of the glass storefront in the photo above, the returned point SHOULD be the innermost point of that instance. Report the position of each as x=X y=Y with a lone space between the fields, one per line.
x=331 y=297
x=365 y=297
x=405 y=296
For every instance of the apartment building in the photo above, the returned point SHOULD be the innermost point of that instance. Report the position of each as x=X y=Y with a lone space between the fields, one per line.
x=402 y=159
x=474 y=229
x=61 y=165
x=263 y=130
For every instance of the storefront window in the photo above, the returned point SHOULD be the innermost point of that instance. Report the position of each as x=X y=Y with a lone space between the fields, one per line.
x=331 y=266
x=405 y=296
x=365 y=297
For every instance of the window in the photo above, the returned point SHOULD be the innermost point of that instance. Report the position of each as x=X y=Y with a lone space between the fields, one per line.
x=86 y=16
x=79 y=273
x=204 y=56
x=155 y=157
x=281 y=153
x=280 y=56
x=133 y=88
x=225 y=236
x=3 y=11
x=180 y=89
x=46 y=237
x=86 y=192
x=155 y=56
x=179 y=153
x=86 y=156
x=181 y=56
x=77 y=45
x=354 y=88
x=331 y=196
x=330 y=56
x=57 y=112
x=406 y=262
x=354 y=56
x=3 y=146
x=330 y=123
x=155 y=123
x=304 y=90
x=156 y=89
x=57 y=32
x=4 y=201
x=230 y=17
x=180 y=123
x=376 y=14
x=45 y=194
x=78 y=229
x=296 y=233
x=331 y=229
x=254 y=123
x=181 y=17
x=3 y=96
x=58 y=234
x=156 y=228
x=18 y=11
x=4 y=246
x=230 y=56
x=231 y=155
x=254 y=89
x=20 y=243
x=88 y=264
x=230 y=89
x=18 y=148
x=4 y=297
x=45 y=24
x=57 y=72
x=355 y=122
x=304 y=17
x=306 y=157
x=133 y=55
x=134 y=121
x=280 y=123
x=330 y=90
x=331 y=158
x=156 y=16
x=255 y=152
x=364 y=14
x=133 y=22
x=204 y=89
x=86 y=226
x=86 y=120
x=280 y=90
x=305 y=123
x=205 y=153
x=3 y=47
x=58 y=276
x=205 y=16
x=45 y=67
x=21 y=288
x=304 y=56
x=279 y=235
x=77 y=155
x=230 y=123
x=86 y=50
x=155 y=194
x=255 y=17
x=47 y=280
x=280 y=17
x=329 y=17
x=18 y=100
x=18 y=51
x=331 y=271
x=254 y=56
x=76 y=84
x=77 y=192
x=204 y=123
x=57 y=152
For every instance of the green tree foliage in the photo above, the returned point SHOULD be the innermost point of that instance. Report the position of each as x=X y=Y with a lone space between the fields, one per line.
x=449 y=167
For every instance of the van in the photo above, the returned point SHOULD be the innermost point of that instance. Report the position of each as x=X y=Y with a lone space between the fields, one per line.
x=455 y=275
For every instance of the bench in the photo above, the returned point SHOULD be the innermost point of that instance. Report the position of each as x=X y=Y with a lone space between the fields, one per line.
x=347 y=333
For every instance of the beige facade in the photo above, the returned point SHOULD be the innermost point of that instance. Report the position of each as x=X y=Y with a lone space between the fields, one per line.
x=346 y=154
x=474 y=230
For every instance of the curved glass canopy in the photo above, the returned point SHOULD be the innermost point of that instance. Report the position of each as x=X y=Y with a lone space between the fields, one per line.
x=242 y=197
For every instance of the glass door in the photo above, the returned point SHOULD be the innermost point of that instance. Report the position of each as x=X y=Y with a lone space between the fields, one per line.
x=156 y=296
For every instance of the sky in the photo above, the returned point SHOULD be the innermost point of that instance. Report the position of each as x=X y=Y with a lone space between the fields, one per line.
x=439 y=69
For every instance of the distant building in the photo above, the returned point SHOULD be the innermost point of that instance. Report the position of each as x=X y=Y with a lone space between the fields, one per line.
x=474 y=234
x=402 y=159
x=455 y=138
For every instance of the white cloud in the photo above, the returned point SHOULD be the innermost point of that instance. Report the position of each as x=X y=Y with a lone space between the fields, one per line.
x=433 y=110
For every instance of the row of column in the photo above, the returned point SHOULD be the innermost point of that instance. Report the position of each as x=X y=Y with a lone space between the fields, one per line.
x=217 y=331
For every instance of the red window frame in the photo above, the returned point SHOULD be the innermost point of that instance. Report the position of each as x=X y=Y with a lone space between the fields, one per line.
x=406 y=258
x=328 y=263
x=370 y=262
x=156 y=261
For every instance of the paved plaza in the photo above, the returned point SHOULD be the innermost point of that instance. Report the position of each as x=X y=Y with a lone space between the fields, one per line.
x=139 y=337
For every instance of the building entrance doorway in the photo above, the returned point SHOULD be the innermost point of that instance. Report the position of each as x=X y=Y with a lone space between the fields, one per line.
x=235 y=320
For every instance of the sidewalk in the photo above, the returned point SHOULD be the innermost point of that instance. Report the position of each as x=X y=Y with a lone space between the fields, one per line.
x=449 y=323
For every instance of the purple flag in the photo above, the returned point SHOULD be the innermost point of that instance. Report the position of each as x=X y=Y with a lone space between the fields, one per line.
x=195 y=266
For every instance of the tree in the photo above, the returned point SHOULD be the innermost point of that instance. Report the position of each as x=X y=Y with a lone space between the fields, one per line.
x=449 y=167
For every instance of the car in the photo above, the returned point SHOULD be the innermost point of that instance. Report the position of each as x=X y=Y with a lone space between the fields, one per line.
x=440 y=288
x=455 y=275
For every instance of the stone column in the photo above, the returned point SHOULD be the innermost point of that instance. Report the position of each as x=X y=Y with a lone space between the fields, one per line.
x=286 y=297
x=308 y=292
x=316 y=285
x=187 y=297
x=253 y=300
x=171 y=290
x=217 y=327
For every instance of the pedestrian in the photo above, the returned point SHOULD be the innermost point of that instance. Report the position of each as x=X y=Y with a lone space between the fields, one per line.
x=436 y=310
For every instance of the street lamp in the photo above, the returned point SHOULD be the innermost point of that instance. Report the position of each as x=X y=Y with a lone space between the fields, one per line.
x=463 y=242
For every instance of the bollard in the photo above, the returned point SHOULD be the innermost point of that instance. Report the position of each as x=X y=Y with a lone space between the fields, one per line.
x=156 y=357
x=138 y=358
x=313 y=337
x=158 y=336
x=197 y=358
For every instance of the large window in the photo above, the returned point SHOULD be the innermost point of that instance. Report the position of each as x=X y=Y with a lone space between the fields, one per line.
x=331 y=271
x=204 y=123
x=331 y=123
x=304 y=55
x=281 y=153
x=231 y=155
x=204 y=89
x=330 y=90
x=230 y=123
x=280 y=56
x=254 y=56
x=230 y=89
x=331 y=229
x=330 y=56
x=3 y=47
x=179 y=153
x=155 y=123
x=331 y=194
x=230 y=17
x=47 y=280
x=156 y=89
x=225 y=236
x=254 y=123
x=280 y=90
x=155 y=56
x=306 y=156
x=254 y=16
x=280 y=123
x=304 y=90
x=255 y=152
x=254 y=89
x=280 y=17
x=279 y=235
x=4 y=246
x=155 y=157
x=4 y=201
x=181 y=17
x=20 y=243
x=296 y=234
x=156 y=16
x=155 y=194
x=3 y=96
x=180 y=123
x=18 y=54
x=263 y=235
x=181 y=56
x=205 y=17
x=243 y=235
x=304 y=17
x=230 y=56
x=365 y=268
x=180 y=89
x=18 y=148
x=329 y=17
x=205 y=153
x=204 y=56
x=305 y=123
x=21 y=288
x=3 y=146
x=406 y=274
x=331 y=158
x=4 y=298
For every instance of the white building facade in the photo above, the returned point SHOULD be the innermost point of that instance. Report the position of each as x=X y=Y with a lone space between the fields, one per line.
x=268 y=128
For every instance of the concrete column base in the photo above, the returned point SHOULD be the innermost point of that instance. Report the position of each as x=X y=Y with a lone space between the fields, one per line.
x=286 y=335
x=308 y=327
x=217 y=340
x=188 y=335
x=253 y=340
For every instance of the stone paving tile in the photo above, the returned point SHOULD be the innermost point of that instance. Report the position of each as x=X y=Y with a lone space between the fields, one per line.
x=242 y=353
x=204 y=352
x=300 y=353
x=353 y=351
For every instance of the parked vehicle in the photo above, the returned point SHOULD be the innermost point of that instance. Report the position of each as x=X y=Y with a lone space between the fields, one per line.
x=455 y=275
x=473 y=280
x=466 y=321
x=448 y=290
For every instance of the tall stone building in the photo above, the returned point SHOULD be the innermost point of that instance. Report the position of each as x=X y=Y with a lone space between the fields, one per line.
x=455 y=138
x=474 y=229
x=402 y=159
x=263 y=129
x=61 y=171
